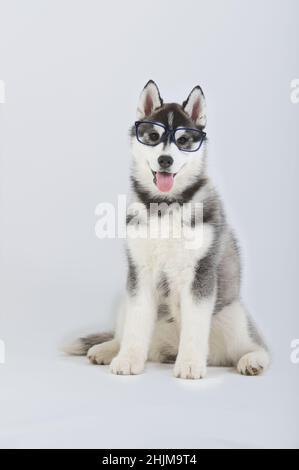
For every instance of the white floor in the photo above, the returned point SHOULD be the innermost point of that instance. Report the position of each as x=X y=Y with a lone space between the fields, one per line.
x=64 y=402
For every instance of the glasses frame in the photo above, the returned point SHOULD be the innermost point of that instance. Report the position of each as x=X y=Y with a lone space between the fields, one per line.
x=171 y=133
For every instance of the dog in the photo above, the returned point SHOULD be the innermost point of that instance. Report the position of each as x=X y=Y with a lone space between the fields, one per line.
x=182 y=304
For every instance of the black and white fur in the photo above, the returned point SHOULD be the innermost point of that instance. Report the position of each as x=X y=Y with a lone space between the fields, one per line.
x=181 y=305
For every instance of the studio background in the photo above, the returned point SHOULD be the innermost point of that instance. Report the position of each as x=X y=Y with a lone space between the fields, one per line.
x=73 y=72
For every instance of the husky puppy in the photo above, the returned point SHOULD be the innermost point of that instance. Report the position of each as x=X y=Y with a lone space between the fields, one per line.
x=182 y=303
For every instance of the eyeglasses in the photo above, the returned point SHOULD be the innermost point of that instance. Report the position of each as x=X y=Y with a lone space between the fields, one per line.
x=153 y=133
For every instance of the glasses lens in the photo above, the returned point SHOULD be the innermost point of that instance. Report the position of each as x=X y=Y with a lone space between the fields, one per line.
x=188 y=139
x=149 y=133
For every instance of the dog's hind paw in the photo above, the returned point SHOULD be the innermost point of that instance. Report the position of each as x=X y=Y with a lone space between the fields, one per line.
x=253 y=363
x=103 y=353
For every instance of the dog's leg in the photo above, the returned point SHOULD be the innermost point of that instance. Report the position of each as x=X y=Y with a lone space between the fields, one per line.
x=235 y=341
x=197 y=304
x=140 y=315
x=191 y=362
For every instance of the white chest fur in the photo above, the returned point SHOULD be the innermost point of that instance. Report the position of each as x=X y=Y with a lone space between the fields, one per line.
x=167 y=244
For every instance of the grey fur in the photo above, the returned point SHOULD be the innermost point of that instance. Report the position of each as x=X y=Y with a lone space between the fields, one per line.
x=205 y=276
x=170 y=320
x=254 y=333
x=220 y=268
x=132 y=218
x=163 y=311
x=228 y=273
x=167 y=356
x=83 y=344
x=129 y=218
x=132 y=278
x=163 y=285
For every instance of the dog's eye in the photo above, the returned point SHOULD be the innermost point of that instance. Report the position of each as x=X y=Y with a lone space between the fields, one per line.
x=182 y=140
x=154 y=136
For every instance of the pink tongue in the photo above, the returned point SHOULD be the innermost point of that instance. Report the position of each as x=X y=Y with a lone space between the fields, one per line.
x=164 y=181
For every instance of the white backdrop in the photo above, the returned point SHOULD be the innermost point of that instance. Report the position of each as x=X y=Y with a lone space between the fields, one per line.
x=73 y=72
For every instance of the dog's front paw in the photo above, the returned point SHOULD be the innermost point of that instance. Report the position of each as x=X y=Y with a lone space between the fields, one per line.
x=189 y=369
x=127 y=365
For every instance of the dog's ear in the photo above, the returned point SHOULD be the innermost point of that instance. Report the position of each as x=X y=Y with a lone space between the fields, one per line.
x=195 y=106
x=149 y=100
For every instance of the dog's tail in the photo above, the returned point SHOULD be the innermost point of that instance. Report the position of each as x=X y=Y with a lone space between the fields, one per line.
x=80 y=346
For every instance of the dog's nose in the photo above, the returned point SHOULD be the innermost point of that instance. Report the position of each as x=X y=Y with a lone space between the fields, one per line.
x=165 y=161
